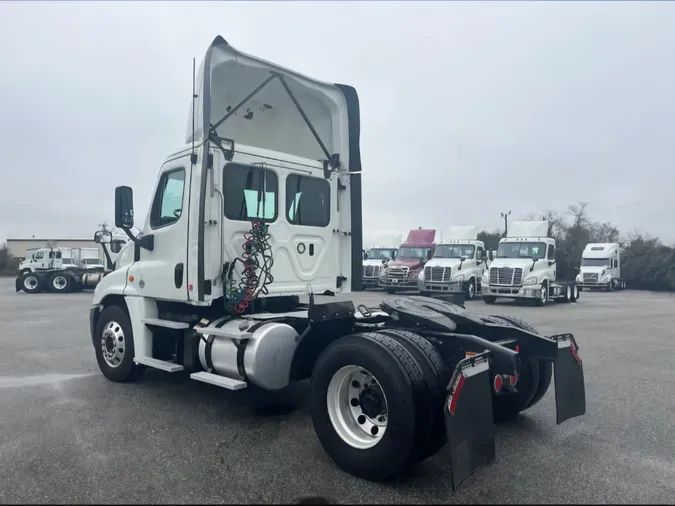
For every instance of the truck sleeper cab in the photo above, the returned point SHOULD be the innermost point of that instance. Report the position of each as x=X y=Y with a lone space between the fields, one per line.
x=245 y=222
x=601 y=267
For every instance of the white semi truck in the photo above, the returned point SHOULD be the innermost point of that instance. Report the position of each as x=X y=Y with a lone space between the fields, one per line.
x=524 y=267
x=601 y=267
x=458 y=263
x=377 y=257
x=64 y=270
x=261 y=207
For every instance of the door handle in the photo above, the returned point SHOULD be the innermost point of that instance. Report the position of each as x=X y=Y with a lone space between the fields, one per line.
x=178 y=275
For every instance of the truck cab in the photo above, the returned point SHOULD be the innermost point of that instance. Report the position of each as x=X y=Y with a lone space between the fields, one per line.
x=524 y=267
x=376 y=259
x=41 y=259
x=458 y=264
x=403 y=273
x=601 y=267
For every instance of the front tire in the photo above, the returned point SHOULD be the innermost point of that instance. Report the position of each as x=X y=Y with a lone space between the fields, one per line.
x=489 y=299
x=363 y=405
x=114 y=346
x=32 y=283
x=543 y=295
x=471 y=289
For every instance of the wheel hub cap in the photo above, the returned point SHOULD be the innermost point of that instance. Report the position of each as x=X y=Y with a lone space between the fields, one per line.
x=112 y=344
x=357 y=407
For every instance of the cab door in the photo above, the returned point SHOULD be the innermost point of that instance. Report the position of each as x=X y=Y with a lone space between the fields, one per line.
x=162 y=272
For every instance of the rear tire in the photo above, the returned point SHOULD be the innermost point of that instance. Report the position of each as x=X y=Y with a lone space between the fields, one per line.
x=575 y=292
x=545 y=368
x=33 y=283
x=388 y=453
x=436 y=377
x=60 y=283
x=114 y=346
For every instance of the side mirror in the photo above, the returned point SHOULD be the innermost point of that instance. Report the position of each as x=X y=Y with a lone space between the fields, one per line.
x=430 y=254
x=484 y=255
x=384 y=261
x=491 y=256
x=124 y=207
x=32 y=257
x=102 y=237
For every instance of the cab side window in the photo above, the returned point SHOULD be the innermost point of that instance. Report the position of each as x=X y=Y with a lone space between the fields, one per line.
x=39 y=255
x=116 y=246
x=551 y=252
x=167 y=206
x=250 y=192
x=307 y=201
x=479 y=253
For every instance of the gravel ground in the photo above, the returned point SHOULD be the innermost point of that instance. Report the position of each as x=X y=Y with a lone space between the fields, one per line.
x=67 y=435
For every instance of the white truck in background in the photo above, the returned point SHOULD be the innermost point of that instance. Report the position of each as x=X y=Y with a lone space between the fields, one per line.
x=458 y=264
x=601 y=267
x=377 y=257
x=63 y=270
x=525 y=267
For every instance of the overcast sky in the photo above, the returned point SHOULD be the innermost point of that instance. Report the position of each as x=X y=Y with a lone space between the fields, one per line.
x=467 y=109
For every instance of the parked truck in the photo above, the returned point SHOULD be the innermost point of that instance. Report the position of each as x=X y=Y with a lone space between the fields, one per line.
x=250 y=225
x=403 y=273
x=377 y=258
x=61 y=270
x=525 y=267
x=457 y=265
x=601 y=267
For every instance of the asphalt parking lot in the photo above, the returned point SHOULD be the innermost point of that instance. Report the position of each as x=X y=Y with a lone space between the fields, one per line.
x=67 y=435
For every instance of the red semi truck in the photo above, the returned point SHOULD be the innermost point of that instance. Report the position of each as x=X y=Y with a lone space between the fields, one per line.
x=402 y=273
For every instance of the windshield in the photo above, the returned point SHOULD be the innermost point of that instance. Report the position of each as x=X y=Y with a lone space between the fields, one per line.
x=595 y=262
x=454 y=251
x=380 y=254
x=521 y=250
x=408 y=252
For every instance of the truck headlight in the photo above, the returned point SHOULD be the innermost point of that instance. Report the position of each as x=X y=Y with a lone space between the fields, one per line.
x=459 y=277
x=532 y=280
x=420 y=276
x=485 y=278
x=383 y=272
x=579 y=279
x=605 y=279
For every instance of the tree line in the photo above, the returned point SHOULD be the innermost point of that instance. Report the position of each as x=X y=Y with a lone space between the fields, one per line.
x=646 y=263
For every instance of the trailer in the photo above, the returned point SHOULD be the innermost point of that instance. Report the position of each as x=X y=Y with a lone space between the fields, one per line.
x=247 y=227
x=524 y=268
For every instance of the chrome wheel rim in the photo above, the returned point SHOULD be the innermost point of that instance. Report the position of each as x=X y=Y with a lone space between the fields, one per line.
x=543 y=294
x=30 y=282
x=357 y=407
x=113 y=345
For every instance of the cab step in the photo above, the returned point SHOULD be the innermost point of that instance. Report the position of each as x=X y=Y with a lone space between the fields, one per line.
x=219 y=381
x=167 y=324
x=162 y=365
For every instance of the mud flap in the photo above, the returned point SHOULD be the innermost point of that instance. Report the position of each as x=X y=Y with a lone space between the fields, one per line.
x=18 y=284
x=468 y=418
x=570 y=391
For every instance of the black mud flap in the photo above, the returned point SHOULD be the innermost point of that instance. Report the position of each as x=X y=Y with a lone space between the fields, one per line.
x=468 y=418
x=18 y=284
x=570 y=391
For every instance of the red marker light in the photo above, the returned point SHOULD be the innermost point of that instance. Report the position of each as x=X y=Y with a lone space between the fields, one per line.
x=498 y=383
x=454 y=397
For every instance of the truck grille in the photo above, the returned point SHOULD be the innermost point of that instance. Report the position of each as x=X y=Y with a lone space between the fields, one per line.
x=397 y=272
x=591 y=276
x=371 y=271
x=507 y=276
x=437 y=274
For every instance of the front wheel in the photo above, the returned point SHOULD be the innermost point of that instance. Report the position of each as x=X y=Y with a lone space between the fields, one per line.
x=489 y=299
x=114 y=346
x=362 y=403
x=32 y=283
x=542 y=300
x=471 y=289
